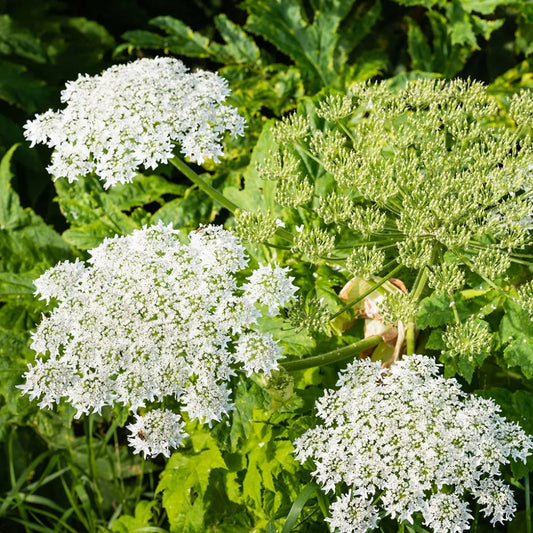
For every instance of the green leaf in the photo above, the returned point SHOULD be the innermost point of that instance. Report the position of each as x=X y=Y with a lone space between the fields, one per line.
x=20 y=41
x=12 y=215
x=182 y=39
x=516 y=328
x=240 y=46
x=313 y=46
x=418 y=47
x=95 y=214
x=25 y=240
x=89 y=236
x=186 y=213
x=460 y=26
x=12 y=284
x=143 y=190
x=131 y=524
x=19 y=87
x=434 y=311
x=184 y=482
x=520 y=353
x=298 y=505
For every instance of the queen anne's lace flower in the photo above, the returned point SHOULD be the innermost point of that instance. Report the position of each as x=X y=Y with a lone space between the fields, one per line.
x=132 y=115
x=156 y=432
x=148 y=318
x=412 y=443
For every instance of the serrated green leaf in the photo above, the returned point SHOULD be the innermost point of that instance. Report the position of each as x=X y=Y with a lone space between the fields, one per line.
x=143 y=190
x=240 y=46
x=252 y=485
x=520 y=353
x=12 y=215
x=183 y=40
x=313 y=46
x=142 y=518
x=434 y=311
x=91 y=235
x=17 y=40
x=19 y=87
x=418 y=47
x=12 y=284
x=25 y=240
x=95 y=214
x=486 y=27
x=184 y=482
x=460 y=26
x=516 y=324
x=435 y=341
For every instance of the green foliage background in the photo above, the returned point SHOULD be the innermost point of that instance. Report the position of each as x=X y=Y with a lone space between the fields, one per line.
x=56 y=475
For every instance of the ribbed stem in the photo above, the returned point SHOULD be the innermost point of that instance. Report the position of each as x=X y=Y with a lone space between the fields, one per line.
x=367 y=293
x=214 y=194
x=208 y=189
x=336 y=356
x=418 y=288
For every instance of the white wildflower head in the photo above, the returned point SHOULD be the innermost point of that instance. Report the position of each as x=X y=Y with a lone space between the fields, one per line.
x=257 y=352
x=57 y=281
x=149 y=318
x=132 y=115
x=156 y=432
x=352 y=513
x=412 y=443
x=270 y=286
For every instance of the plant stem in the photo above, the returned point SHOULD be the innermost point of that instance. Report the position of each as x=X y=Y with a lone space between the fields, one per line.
x=528 y=504
x=418 y=287
x=187 y=171
x=217 y=196
x=336 y=356
x=366 y=293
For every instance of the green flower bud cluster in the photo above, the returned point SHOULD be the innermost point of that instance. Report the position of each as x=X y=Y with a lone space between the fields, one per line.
x=314 y=243
x=446 y=278
x=525 y=297
x=432 y=169
x=491 y=263
x=311 y=314
x=398 y=307
x=334 y=207
x=291 y=128
x=279 y=165
x=255 y=227
x=468 y=339
x=365 y=261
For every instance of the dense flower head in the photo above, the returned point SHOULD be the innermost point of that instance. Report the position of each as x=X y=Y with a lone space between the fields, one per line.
x=434 y=172
x=132 y=115
x=408 y=442
x=147 y=318
x=156 y=432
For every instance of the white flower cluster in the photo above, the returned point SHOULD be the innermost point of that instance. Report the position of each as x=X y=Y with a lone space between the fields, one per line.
x=149 y=318
x=132 y=115
x=411 y=443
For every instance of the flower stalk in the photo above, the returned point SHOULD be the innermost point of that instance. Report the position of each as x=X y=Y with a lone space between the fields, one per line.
x=215 y=195
x=336 y=356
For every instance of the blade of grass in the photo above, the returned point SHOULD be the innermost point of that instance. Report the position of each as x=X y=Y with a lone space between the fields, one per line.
x=298 y=505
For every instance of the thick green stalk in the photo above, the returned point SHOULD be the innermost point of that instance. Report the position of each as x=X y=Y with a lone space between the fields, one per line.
x=367 y=293
x=204 y=186
x=213 y=193
x=418 y=287
x=336 y=356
